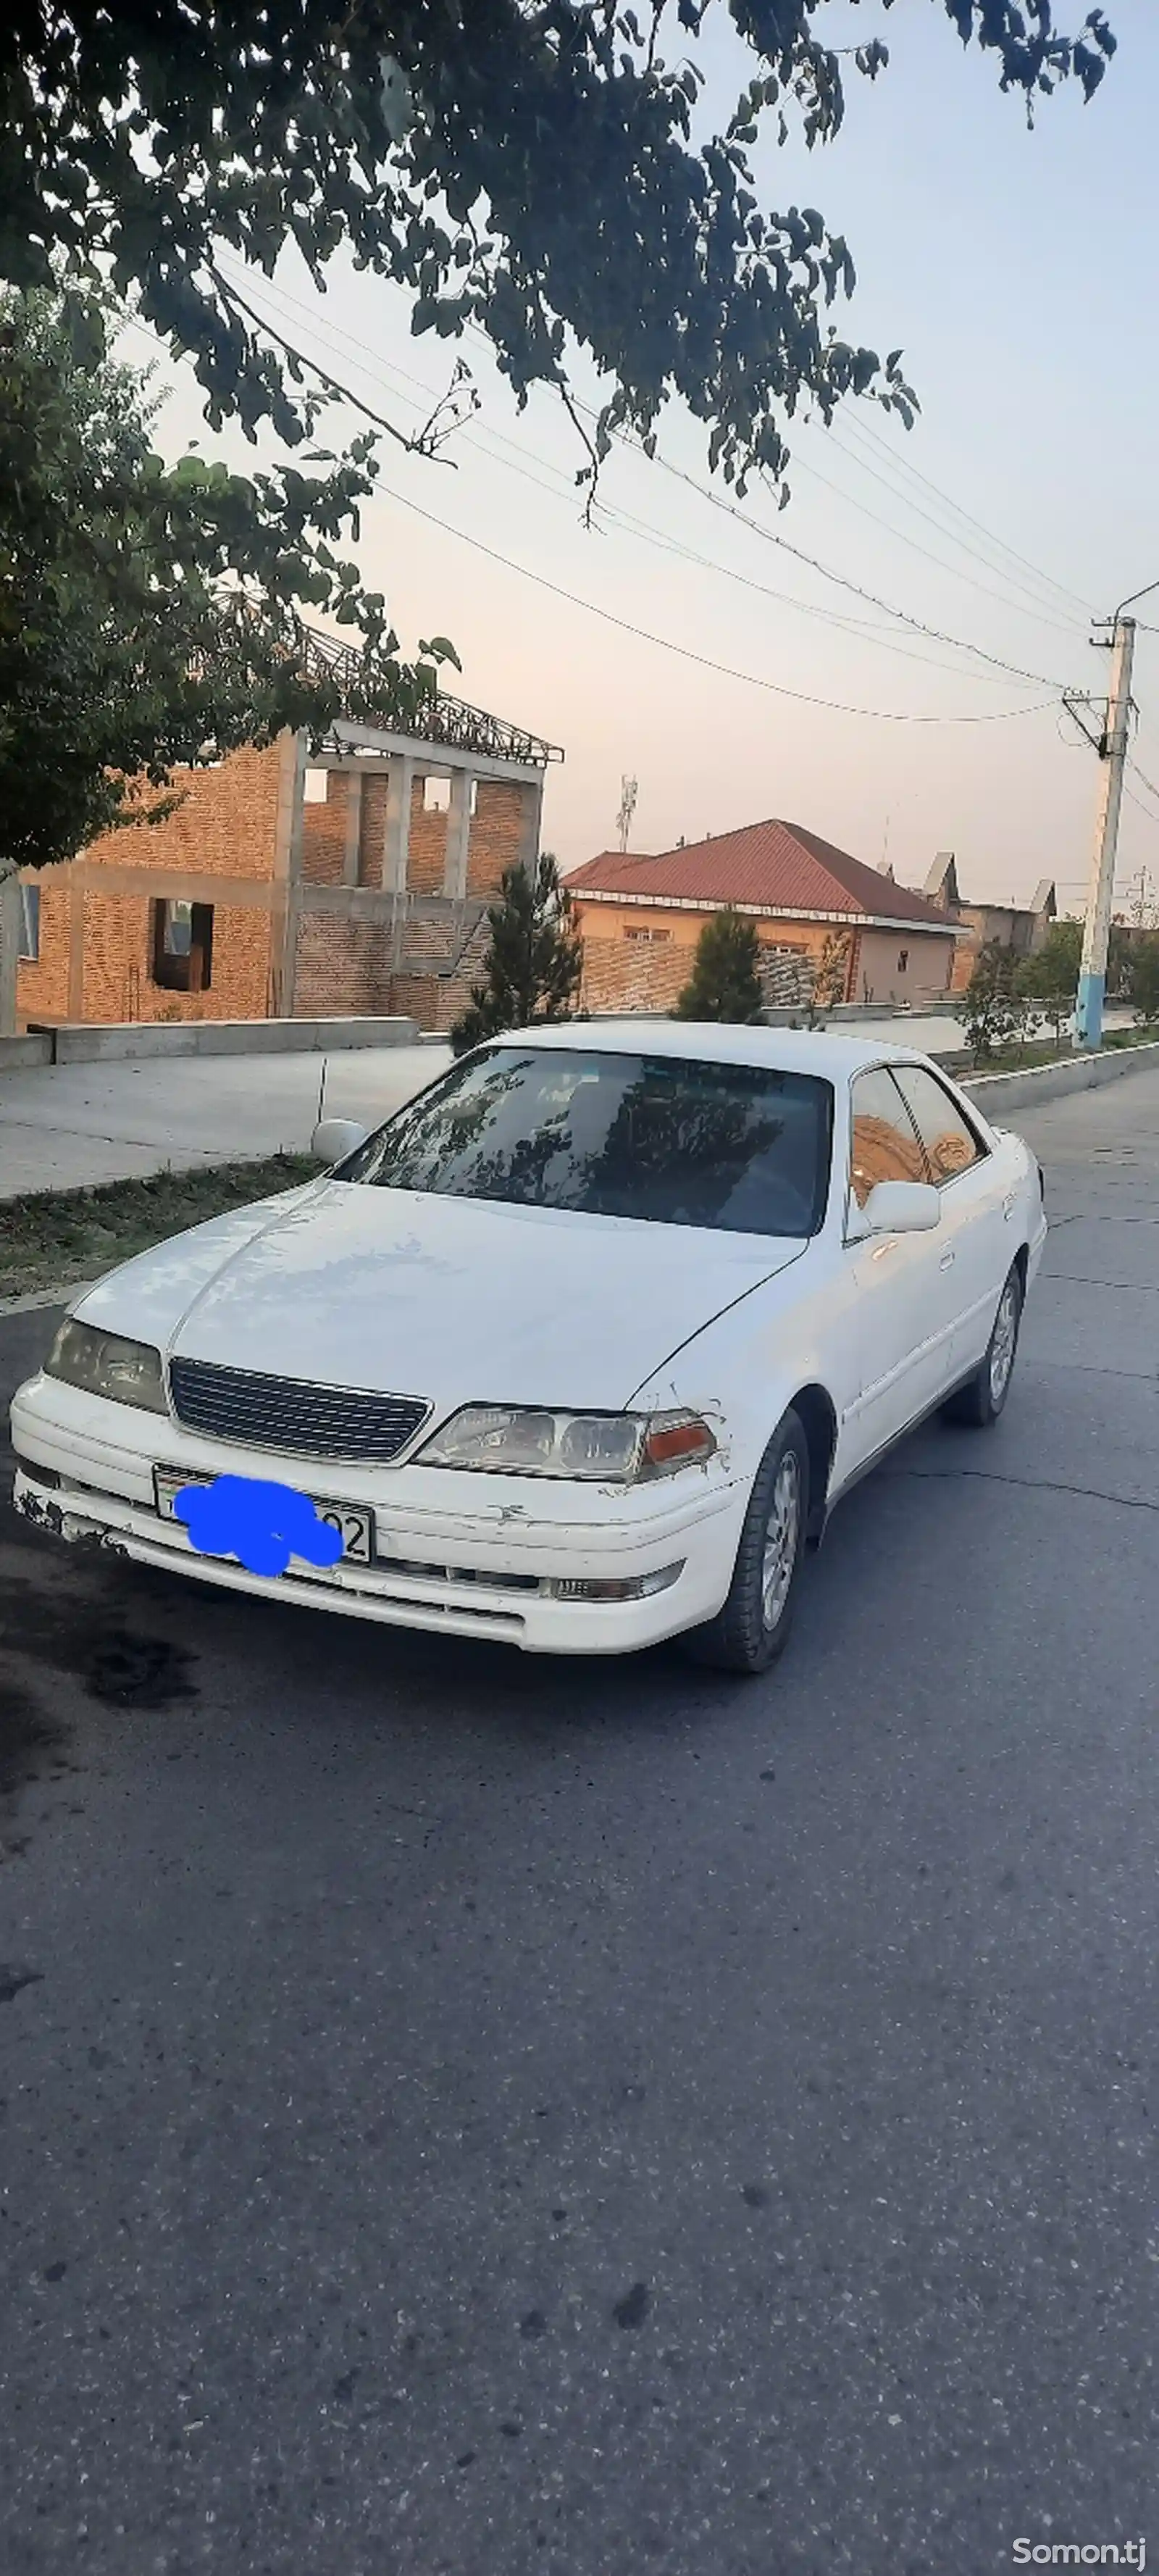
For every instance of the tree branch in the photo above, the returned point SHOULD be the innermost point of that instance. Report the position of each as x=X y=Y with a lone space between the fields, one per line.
x=420 y=446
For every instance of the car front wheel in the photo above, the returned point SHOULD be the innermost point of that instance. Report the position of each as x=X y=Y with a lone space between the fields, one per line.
x=748 y=1634
x=980 y=1401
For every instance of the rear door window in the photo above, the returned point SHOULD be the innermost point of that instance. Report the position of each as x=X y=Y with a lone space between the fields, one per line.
x=885 y=1143
x=950 y=1142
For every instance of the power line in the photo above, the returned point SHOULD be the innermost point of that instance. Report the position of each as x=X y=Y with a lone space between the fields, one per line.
x=936 y=634
x=861 y=428
x=641 y=528
x=1137 y=802
x=1042 y=615
x=802 y=697
x=1047 y=611
x=1037 y=679
x=1141 y=774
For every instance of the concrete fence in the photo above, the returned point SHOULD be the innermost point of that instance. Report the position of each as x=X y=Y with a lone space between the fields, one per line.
x=995 y=1093
x=119 y=1043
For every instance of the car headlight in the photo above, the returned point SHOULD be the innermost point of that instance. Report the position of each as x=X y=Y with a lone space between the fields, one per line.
x=108 y=1364
x=603 y=1448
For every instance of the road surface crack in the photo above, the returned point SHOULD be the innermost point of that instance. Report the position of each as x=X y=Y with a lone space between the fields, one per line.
x=1031 y=1484
x=1079 y=1279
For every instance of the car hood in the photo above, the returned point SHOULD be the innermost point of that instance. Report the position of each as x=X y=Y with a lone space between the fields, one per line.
x=451 y=1299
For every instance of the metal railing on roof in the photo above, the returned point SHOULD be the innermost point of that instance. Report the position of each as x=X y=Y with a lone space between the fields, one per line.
x=447 y=720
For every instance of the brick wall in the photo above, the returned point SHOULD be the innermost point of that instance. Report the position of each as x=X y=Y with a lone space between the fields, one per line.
x=118 y=956
x=431 y=941
x=343 y=966
x=324 y=833
x=372 y=828
x=436 y=1001
x=496 y=833
x=224 y=826
x=427 y=859
x=42 y=990
x=227 y=826
x=623 y=975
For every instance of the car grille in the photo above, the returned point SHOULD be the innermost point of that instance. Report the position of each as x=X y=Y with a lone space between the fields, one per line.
x=291 y=1413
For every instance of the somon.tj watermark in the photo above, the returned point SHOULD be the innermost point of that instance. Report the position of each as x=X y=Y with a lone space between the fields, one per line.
x=1069 y=2553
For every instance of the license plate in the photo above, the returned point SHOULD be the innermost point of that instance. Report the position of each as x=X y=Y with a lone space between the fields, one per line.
x=354 y=1524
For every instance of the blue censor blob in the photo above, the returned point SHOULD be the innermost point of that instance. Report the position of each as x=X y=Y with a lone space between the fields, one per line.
x=263 y=1525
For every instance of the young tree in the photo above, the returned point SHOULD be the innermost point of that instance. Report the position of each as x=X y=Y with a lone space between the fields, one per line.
x=992 y=1013
x=1048 y=980
x=533 y=167
x=151 y=616
x=534 y=962
x=1144 y=979
x=725 y=981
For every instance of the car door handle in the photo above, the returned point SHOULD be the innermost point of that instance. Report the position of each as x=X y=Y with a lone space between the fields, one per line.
x=1008 y=1206
x=947 y=1261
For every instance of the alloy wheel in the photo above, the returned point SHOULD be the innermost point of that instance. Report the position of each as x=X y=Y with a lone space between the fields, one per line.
x=781 y=1539
x=1003 y=1340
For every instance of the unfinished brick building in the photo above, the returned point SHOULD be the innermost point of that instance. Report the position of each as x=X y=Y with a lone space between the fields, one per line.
x=296 y=883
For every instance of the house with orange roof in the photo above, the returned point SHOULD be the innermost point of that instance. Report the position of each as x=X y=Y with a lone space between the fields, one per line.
x=810 y=902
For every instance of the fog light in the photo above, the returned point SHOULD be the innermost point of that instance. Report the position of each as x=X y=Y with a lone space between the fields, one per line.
x=632 y=1587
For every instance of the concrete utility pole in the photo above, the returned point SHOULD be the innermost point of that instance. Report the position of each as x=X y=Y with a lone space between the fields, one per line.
x=1088 y=1024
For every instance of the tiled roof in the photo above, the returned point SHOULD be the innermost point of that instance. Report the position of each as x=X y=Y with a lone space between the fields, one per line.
x=776 y=867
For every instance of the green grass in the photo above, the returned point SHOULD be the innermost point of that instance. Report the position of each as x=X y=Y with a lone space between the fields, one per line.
x=1016 y=1059
x=63 y=1235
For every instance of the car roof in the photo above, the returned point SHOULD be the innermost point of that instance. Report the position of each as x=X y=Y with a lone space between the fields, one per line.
x=827 y=1052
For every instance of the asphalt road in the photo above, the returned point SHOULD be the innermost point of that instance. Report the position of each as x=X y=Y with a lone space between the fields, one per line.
x=469 y=2116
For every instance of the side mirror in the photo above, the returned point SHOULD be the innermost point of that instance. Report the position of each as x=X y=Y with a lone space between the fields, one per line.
x=335 y=1138
x=902 y=1207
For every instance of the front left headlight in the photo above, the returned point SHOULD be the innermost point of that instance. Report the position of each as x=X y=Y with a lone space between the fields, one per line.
x=601 y=1448
x=108 y=1364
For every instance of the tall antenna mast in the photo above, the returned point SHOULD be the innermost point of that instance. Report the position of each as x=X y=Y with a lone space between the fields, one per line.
x=629 y=788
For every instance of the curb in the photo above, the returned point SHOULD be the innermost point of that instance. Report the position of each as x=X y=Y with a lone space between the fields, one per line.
x=62 y=1295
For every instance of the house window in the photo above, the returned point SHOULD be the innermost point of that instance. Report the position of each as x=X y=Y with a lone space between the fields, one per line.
x=436 y=795
x=314 y=786
x=29 y=948
x=183 y=946
x=653 y=938
x=902 y=960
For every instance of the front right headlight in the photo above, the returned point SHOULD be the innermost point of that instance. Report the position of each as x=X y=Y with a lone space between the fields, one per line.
x=108 y=1364
x=592 y=1448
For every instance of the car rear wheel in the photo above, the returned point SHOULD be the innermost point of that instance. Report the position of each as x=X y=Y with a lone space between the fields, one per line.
x=748 y=1634
x=980 y=1401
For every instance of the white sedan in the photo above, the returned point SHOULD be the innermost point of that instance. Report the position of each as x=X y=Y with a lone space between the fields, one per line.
x=578 y=1350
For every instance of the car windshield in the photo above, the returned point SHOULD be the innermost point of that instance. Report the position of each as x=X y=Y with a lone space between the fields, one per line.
x=663 y=1138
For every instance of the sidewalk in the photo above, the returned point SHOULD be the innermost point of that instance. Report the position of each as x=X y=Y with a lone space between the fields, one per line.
x=67 y=1127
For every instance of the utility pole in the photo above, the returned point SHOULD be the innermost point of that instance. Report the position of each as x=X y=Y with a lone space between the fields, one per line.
x=1088 y=1023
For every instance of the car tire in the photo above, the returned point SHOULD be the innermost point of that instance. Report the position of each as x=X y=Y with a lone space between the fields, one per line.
x=750 y=1631
x=980 y=1401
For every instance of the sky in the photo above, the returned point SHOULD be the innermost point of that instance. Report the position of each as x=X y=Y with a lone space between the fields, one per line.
x=1015 y=270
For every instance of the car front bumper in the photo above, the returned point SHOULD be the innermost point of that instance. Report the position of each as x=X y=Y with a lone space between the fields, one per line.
x=457 y=1553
